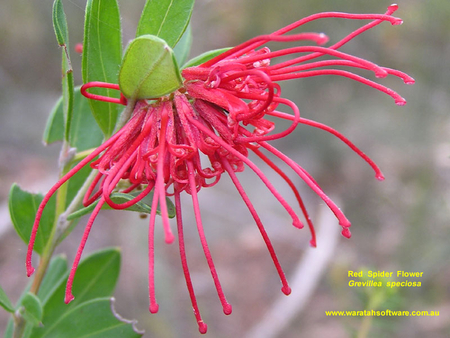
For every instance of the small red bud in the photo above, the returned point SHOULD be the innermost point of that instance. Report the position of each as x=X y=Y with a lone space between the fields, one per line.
x=79 y=48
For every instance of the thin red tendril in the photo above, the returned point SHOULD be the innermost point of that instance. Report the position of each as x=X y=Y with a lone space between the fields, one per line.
x=96 y=84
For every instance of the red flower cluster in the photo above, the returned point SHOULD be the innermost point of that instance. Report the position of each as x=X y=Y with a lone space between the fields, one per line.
x=185 y=141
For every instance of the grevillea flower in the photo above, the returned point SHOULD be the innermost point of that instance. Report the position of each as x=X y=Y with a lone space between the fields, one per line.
x=186 y=140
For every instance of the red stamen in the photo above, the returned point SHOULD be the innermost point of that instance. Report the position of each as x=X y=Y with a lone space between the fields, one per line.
x=379 y=72
x=160 y=173
x=258 y=76
x=378 y=174
x=400 y=101
x=87 y=199
x=313 y=241
x=202 y=327
x=97 y=84
x=225 y=305
x=405 y=77
x=295 y=221
x=153 y=307
x=65 y=178
x=285 y=289
x=343 y=221
x=257 y=41
x=391 y=9
x=295 y=120
x=69 y=296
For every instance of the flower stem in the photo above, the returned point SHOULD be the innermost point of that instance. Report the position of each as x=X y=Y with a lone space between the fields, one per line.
x=19 y=325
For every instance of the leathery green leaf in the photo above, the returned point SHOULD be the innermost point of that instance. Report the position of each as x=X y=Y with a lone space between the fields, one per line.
x=23 y=206
x=96 y=319
x=149 y=69
x=96 y=277
x=198 y=60
x=31 y=309
x=102 y=54
x=166 y=19
x=62 y=36
x=84 y=132
x=60 y=23
x=56 y=273
x=183 y=47
x=5 y=302
x=54 y=129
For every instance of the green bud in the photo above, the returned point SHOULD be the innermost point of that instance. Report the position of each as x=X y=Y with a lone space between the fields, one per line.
x=149 y=69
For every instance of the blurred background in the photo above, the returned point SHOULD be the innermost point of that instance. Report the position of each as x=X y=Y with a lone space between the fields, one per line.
x=401 y=223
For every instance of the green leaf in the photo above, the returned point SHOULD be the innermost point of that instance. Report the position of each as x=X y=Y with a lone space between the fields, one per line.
x=54 y=129
x=84 y=132
x=143 y=206
x=102 y=54
x=149 y=69
x=62 y=36
x=67 y=89
x=183 y=47
x=5 y=302
x=31 y=309
x=60 y=23
x=9 y=329
x=166 y=19
x=96 y=277
x=23 y=207
x=55 y=275
x=202 y=58
x=93 y=319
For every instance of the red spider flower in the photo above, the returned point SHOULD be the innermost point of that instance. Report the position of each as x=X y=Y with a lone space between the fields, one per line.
x=217 y=117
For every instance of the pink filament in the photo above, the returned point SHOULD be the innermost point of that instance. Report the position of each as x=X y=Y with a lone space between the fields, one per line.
x=379 y=72
x=378 y=174
x=290 y=129
x=160 y=187
x=343 y=221
x=69 y=296
x=202 y=327
x=296 y=222
x=397 y=98
x=313 y=241
x=258 y=41
x=98 y=84
x=153 y=307
x=391 y=9
x=405 y=77
x=285 y=289
x=50 y=193
x=225 y=305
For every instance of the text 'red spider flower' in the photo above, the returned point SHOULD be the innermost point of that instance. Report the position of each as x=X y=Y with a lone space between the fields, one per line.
x=217 y=115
